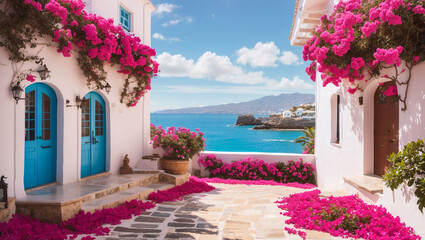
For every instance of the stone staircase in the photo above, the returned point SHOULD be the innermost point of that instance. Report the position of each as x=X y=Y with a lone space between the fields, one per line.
x=368 y=187
x=61 y=202
x=125 y=192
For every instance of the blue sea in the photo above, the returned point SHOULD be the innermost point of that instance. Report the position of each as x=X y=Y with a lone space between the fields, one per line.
x=221 y=134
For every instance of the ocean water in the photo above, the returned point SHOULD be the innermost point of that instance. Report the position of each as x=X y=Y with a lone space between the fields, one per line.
x=221 y=134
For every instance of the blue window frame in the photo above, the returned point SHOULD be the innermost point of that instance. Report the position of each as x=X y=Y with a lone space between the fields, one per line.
x=125 y=19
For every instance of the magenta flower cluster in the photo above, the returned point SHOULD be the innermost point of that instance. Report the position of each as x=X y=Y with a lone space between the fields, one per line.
x=351 y=43
x=177 y=143
x=99 y=41
x=254 y=169
x=173 y=194
x=24 y=227
x=256 y=182
x=347 y=217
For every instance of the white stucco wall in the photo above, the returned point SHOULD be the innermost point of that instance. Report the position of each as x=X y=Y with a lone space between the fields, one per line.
x=127 y=129
x=354 y=155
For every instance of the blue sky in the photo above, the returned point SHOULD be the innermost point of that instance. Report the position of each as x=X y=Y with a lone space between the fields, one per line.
x=224 y=51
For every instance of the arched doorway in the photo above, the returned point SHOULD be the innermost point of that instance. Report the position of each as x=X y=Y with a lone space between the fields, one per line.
x=385 y=129
x=93 y=135
x=40 y=135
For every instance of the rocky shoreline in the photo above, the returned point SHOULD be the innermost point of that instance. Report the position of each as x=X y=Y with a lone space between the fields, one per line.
x=274 y=122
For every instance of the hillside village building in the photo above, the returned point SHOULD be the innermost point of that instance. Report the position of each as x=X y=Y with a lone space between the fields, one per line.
x=354 y=134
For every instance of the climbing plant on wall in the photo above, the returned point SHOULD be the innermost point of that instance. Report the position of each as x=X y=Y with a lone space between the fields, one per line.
x=94 y=41
x=361 y=38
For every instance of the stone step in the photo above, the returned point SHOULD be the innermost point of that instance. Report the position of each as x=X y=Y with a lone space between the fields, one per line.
x=133 y=181
x=115 y=199
x=367 y=187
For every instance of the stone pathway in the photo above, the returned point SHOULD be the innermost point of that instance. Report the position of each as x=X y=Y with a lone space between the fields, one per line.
x=231 y=212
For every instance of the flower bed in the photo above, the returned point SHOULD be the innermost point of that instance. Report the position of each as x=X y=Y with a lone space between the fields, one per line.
x=255 y=182
x=254 y=169
x=192 y=186
x=24 y=227
x=345 y=216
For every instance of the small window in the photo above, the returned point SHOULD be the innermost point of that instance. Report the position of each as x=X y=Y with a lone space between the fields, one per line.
x=335 y=119
x=125 y=19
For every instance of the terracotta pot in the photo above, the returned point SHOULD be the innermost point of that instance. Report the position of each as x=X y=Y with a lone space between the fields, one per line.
x=176 y=167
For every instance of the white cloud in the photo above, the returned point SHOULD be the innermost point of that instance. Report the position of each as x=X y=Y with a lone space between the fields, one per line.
x=159 y=36
x=220 y=68
x=209 y=65
x=164 y=8
x=296 y=84
x=177 y=21
x=289 y=58
x=265 y=55
x=262 y=55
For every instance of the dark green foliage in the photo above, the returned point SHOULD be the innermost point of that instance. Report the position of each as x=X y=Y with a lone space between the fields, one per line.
x=307 y=141
x=408 y=166
x=350 y=222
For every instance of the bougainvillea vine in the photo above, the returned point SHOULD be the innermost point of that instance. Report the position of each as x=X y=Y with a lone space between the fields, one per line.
x=93 y=39
x=361 y=40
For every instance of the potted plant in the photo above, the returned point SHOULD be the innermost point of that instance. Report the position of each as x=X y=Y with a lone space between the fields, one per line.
x=179 y=145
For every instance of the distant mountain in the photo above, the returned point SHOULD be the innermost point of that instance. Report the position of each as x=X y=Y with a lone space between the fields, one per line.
x=264 y=105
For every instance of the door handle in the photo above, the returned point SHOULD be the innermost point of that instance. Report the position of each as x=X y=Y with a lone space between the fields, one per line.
x=87 y=142
x=43 y=147
x=392 y=140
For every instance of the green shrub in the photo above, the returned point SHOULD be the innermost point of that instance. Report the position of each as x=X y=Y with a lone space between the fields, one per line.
x=408 y=166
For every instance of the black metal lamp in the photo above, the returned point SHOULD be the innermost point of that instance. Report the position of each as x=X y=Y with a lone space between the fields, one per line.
x=43 y=71
x=361 y=100
x=3 y=191
x=107 y=88
x=17 y=92
x=77 y=102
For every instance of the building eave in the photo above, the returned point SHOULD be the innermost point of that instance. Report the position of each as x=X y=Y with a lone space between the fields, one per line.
x=307 y=16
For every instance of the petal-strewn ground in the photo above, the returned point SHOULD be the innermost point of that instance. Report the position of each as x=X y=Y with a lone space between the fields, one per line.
x=229 y=212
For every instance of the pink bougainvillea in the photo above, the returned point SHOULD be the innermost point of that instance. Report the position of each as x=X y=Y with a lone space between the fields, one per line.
x=178 y=143
x=173 y=194
x=98 y=41
x=254 y=169
x=347 y=217
x=30 y=78
x=360 y=38
x=24 y=227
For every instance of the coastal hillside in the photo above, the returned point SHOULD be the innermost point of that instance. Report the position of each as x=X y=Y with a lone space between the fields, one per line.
x=264 y=105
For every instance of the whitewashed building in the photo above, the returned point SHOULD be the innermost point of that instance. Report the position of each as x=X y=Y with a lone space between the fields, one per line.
x=299 y=112
x=44 y=135
x=287 y=114
x=349 y=150
x=309 y=114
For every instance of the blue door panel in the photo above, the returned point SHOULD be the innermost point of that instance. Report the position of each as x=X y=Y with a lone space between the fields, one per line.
x=40 y=135
x=93 y=140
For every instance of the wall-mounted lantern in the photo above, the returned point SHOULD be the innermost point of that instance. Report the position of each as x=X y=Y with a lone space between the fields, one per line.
x=361 y=100
x=42 y=70
x=17 y=91
x=107 y=88
x=3 y=191
x=77 y=102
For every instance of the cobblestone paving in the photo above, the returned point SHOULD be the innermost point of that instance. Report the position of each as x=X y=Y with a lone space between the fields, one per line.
x=231 y=212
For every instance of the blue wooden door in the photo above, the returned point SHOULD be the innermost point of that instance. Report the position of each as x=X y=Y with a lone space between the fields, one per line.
x=40 y=135
x=93 y=135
